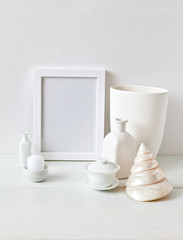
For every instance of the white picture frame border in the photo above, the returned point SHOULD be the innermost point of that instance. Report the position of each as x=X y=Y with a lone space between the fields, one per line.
x=39 y=74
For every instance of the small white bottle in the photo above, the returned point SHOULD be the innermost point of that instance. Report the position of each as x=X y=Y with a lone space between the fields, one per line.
x=120 y=147
x=24 y=148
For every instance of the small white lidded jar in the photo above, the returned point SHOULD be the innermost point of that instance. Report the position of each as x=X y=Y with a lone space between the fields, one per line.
x=102 y=172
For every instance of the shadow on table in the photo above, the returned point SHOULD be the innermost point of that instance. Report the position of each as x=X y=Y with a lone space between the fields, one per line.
x=173 y=195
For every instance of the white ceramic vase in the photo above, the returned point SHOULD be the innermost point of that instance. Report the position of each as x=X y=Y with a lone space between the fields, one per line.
x=24 y=148
x=120 y=147
x=145 y=108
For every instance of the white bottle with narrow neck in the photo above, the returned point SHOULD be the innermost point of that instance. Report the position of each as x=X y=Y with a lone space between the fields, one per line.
x=24 y=148
x=120 y=147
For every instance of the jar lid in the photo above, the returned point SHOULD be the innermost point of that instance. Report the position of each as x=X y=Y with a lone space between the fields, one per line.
x=103 y=165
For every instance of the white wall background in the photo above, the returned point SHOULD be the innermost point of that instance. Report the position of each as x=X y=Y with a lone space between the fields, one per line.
x=136 y=41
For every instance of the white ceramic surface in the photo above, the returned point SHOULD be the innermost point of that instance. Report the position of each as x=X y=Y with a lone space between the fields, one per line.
x=102 y=165
x=112 y=186
x=148 y=182
x=99 y=177
x=35 y=176
x=145 y=108
x=24 y=148
x=120 y=147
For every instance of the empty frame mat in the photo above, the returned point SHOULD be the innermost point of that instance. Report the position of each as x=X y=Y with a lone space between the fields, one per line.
x=70 y=116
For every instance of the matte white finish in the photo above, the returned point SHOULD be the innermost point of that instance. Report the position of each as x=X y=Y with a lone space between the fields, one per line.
x=137 y=42
x=120 y=147
x=63 y=207
x=145 y=108
x=24 y=148
x=68 y=113
x=35 y=162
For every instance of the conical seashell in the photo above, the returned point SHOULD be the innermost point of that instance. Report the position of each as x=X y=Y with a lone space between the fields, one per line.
x=147 y=181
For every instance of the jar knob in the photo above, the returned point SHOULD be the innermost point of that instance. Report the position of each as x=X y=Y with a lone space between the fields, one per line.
x=103 y=160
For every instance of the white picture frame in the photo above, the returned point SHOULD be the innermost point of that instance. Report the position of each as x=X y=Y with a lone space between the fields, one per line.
x=62 y=97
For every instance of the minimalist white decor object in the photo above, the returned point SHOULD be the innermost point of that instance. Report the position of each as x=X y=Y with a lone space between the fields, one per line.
x=68 y=122
x=35 y=176
x=147 y=181
x=35 y=163
x=145 y=108
x=24 y=148
x=114 y=184
x=101 y=174
x=120 y=147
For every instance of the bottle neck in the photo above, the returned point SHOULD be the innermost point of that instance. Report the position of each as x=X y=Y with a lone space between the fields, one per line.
x=25 y=136
x=118 y=125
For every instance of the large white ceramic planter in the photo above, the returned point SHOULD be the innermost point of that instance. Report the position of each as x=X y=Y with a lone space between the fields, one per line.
x=145 y=108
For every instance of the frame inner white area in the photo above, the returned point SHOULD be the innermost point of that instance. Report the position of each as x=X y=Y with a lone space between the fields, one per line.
x=68 y=114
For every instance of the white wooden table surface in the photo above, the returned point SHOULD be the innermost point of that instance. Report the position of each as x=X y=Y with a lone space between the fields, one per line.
x=63 y=207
